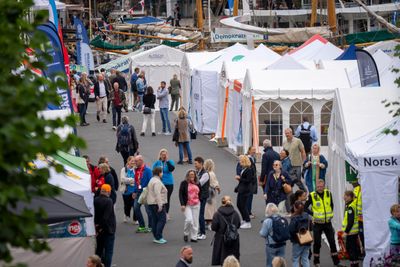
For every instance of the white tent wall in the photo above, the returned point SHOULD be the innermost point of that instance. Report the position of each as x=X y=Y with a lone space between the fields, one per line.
x=388 y=47
x=356 y=111
x=66 y=252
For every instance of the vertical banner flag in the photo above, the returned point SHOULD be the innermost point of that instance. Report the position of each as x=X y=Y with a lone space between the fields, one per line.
x=55 y=68
x=83 y=51
x=53 y=16
x=369 y=74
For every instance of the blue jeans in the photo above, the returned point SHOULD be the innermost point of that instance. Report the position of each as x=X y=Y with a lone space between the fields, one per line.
x=187 y=145
x=159 y=220
x=82 y=112
x=202 y=222
x=105 y=248
x=140 y=96
x=300 y=254
x=116 y=115
x=165 y=120
x=274 y=252
x=139 y=215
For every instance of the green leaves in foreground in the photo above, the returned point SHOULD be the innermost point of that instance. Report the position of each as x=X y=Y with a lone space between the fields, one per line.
x=24 y=134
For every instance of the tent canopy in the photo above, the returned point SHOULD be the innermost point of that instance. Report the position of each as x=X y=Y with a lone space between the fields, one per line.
x=120 y=63
x=348 y=54
x=262 y=54
x=161 y=55
x=286 y=63
x=303 y=84
x=388 y=47
x=64 y=207
x=316 y=48
x=195 y=59
x=385 y=65
x=144 y=20
x=70 y=160
x=44 y=5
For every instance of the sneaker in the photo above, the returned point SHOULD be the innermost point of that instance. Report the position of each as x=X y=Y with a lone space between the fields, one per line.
x=161 y=133
x=168 y=217
x=126 y=218
x=141 y=134
x=252 y=216
x=245 y=225
x=190 y=162
x=201 y=237
x=98 y=117
x=180 y=162
x=148 y=230
x=168 y=133
x=160 y=241
x=209 y=227
x=136 y=222
x=141 y=230
x=114 y=128
x=185 y=238
x=193 y=240
x=153 y=134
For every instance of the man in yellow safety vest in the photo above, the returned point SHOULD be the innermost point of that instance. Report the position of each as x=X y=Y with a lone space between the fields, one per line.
x=358 y=202
x=350 y=228
x=322 y=212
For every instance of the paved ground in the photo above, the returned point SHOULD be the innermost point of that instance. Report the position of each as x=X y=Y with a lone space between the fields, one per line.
x=133 y=249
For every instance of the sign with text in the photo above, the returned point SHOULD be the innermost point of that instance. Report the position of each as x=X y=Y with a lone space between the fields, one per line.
x=351 y=173
x=229 y=35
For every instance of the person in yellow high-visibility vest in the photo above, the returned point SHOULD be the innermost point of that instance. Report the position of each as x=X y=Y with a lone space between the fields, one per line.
x=321 y=202
x=358 y=201
x=350 y=228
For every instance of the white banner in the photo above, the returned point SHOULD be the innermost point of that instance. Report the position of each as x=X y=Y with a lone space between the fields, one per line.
x=229 y=35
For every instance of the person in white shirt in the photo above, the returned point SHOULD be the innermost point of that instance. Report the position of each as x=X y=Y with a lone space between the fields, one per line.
x=101 y=91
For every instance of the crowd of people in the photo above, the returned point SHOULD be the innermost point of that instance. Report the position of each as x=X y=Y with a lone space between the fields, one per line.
x=299 y=207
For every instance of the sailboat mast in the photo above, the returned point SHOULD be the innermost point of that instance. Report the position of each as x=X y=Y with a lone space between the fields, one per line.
x=235 y=7
x=332 y=16
x=314 y=5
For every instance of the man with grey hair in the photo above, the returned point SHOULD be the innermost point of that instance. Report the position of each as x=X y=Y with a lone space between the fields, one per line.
x=268 y=159
x=127 y=143
x=275 y=242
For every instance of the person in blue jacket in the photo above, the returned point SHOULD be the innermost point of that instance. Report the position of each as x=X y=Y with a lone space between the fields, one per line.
x=168 y=166
x=143 y=175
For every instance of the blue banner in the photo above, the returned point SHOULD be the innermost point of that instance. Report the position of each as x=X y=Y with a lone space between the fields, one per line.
x=74 y=228
x=55 y=68
x=83 y=51
x=367 y=68
x=53 y=16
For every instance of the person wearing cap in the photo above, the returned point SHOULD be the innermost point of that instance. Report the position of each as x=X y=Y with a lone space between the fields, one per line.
x=105 y=223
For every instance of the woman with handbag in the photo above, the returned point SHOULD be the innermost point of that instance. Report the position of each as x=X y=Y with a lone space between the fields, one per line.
x=300 y=235
x=277 y=186
x=149 y=113
x=211 y=205
x=183 y=136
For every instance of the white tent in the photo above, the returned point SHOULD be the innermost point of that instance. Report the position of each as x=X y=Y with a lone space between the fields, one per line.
x=385 y=65
x=189 y=62
x=69 y=251
x=286 y=63
x=204 y=94
x=44 y=5
x=376 y=156
x=388 y=47
x=231 y=78
x=316 y=87
x=159 y=63
x=316 y=48
x=356 y=111
x=121 y=64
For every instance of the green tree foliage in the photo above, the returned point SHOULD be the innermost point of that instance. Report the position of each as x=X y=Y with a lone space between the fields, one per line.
x=23 y=134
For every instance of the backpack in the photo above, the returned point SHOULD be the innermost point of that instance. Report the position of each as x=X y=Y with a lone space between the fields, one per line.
x=124 y=138
x=280 y=229
x=231 y=232
x=305 y=137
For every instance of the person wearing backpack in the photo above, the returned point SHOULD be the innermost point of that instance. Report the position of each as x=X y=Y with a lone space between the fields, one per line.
x=314 y=168
x=300 y=223
x=225 y=224
x=275 y=231
x=127 y=143
x=307 y=134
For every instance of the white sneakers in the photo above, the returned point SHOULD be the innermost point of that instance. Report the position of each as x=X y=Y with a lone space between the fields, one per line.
x=201 y=237
x=245 y=225
x=126 y=218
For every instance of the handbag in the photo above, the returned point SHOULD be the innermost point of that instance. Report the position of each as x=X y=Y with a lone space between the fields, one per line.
x=304 y=236
x=143 y=197
x=175 y=136
x=193 y=134
x=287 y=188
x=146 y=110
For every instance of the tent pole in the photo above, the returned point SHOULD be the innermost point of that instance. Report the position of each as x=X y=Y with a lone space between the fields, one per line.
x=332 y=16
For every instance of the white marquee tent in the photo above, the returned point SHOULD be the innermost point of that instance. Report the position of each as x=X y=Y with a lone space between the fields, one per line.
x=376 y=156
x=388 y=47
x=356 y=111
x=204 y=90
x=314 y=86
x=385 y=65
x=159 y=63
x=316 y=48
x=286 y=63
x=189 y=62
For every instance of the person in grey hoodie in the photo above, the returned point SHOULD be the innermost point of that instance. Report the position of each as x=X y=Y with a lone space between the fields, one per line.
x=162 y=96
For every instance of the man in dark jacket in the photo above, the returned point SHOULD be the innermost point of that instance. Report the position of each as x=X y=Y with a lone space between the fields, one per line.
x=104 y=159
x=127 y=143
x=186 y=257
x=268 y=159
x=120 y=80
x=104 y=220
x=204 y=180
x=101 y=92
